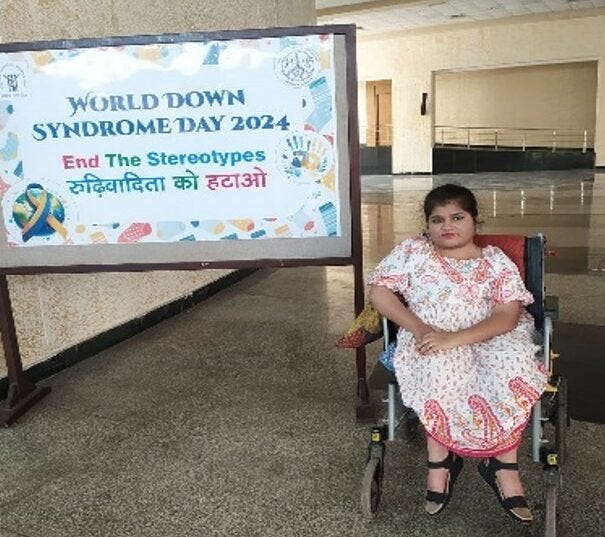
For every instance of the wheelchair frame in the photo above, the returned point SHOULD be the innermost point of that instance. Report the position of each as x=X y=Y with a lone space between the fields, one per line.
x=550 y=408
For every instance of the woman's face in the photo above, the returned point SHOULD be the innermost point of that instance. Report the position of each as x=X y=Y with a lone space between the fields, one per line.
x=450 y=226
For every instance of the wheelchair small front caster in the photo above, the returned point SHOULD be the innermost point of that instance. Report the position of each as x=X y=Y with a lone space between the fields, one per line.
x=371 y=483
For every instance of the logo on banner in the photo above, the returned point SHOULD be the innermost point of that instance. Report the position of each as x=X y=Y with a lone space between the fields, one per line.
x=34 y=211
x=13 y=81
x=297 y=66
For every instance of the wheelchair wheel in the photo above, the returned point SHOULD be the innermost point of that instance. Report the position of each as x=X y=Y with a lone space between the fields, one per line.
x=412 y=423
x=551 y=492
x=561 y=420
x=371 y=487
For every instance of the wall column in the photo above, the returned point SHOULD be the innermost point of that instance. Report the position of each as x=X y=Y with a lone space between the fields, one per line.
x=412 y=136
x=600 y=116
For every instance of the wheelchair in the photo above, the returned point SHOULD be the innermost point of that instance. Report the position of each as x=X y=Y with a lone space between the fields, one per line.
x=550 y=411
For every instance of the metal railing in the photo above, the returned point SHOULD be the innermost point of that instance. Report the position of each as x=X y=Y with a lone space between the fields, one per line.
x=509 y=138
x=381 y=135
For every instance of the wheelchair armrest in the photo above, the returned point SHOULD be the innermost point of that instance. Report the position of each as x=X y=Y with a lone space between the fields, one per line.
x=389 y=331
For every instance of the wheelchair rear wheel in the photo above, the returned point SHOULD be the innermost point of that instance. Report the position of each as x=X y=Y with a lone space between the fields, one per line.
x=371 y=487
x=561 y=420
x=551 y=492
x=411 y=426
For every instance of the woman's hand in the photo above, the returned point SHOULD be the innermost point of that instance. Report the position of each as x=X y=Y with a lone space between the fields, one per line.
x=421 y=330
x=436 y=341
x=424 y=329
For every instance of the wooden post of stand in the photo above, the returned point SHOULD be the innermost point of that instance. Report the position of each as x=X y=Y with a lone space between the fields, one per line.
x=22 y=394
x=363 y=409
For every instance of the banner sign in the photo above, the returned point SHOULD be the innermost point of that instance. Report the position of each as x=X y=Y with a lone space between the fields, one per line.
x=169 y=142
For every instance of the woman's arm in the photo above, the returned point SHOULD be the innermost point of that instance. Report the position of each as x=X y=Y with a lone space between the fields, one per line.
x=388 y=304
x=504 y=318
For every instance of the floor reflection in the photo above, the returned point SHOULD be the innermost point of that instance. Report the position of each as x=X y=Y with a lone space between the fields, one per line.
x=568 y=207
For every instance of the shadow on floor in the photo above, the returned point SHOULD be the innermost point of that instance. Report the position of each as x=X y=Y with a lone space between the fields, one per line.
x=582 y=362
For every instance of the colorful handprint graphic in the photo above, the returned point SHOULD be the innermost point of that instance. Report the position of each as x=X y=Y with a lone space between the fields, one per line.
x=305 y=157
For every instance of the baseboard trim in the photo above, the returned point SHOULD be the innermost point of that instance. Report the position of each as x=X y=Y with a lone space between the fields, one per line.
x=414 y=173
x=104 y=340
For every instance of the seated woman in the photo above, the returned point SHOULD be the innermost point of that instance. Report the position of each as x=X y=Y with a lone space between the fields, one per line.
x=465 y=355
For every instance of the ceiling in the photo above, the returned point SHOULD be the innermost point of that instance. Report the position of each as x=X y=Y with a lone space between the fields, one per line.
x=380 y=16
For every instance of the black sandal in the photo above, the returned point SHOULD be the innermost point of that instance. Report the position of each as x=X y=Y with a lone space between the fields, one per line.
x=454 y=464
x=488 y=473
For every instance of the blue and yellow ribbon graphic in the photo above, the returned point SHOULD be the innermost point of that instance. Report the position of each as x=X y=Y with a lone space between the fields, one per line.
x=40 y=200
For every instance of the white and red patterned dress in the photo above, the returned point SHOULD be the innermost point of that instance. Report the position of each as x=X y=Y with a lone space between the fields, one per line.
x=475 y=399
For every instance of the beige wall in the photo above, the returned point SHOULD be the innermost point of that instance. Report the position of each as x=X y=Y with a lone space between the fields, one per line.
x=411 y=61
x=54 y=312
x=554 y=97
x=26 y=20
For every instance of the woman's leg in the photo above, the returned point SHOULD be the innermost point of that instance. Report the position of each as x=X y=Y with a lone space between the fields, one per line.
x=437 y=477
x=509 y=480
x=509 y=484
x=444 y=468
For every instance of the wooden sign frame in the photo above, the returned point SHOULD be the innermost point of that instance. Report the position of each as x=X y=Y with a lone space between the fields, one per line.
x=23 y=394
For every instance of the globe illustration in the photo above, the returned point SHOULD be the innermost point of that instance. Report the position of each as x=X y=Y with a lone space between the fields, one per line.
x=24 y=209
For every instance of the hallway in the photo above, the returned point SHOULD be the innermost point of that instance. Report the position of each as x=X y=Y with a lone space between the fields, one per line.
x=255 y=435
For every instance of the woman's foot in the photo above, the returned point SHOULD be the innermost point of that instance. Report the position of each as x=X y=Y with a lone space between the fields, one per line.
x=441 y=478
x=503 y=478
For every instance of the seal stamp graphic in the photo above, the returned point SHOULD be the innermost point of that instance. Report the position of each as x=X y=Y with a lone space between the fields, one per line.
x=297 y=66
x=12 y=81
x=304 y=157
x=39 y=213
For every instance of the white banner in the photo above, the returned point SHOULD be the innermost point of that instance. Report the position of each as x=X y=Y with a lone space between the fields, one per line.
x=169 y=142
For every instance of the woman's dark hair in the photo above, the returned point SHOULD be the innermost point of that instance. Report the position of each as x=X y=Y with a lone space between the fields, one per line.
x=442 y=195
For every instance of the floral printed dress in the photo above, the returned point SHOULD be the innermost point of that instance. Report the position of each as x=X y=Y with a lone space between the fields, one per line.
x=475 y=399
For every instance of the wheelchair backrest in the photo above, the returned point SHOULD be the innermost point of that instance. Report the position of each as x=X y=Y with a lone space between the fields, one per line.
x=528 y=254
